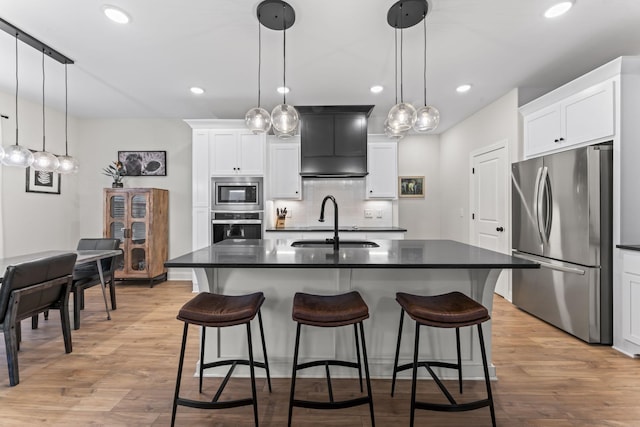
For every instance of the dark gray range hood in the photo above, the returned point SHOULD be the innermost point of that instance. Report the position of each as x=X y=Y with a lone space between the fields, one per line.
x=333 y=141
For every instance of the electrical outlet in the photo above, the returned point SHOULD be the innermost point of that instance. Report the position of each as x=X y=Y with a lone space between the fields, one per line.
x=379 y=213
x=368 y=213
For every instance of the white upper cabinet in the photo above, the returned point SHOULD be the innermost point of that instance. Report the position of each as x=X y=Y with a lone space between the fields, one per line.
x=585 y=117
x=284 y=170
x=236 y=152
x=382 y=165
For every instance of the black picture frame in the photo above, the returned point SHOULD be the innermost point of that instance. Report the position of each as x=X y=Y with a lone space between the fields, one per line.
x=143 y=163
x=42 y=182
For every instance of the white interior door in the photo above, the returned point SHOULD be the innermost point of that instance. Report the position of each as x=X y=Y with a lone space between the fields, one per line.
x=489 y=204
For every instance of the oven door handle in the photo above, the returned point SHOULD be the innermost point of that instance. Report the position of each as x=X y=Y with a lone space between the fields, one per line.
x=236 y=221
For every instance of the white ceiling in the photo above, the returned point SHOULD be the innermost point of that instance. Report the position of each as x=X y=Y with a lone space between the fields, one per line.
x=336 y=50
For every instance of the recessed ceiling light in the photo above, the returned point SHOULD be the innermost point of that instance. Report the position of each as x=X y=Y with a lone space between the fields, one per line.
x=376 y=89
x=283 y=90
x=115 y=14
x=463 y=88
x=558 y=9
x=197 y=90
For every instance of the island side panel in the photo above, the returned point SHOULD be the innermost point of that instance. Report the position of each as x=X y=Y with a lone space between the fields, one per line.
x=378 y=288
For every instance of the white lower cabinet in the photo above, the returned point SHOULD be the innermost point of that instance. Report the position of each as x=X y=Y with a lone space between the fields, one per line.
x=631 y=297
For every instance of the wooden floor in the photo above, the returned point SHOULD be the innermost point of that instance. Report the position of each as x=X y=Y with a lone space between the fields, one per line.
x=122 y=373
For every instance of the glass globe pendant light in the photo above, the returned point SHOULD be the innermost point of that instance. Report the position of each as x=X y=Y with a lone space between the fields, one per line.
x=43 y=160
x=284 y=117
x=258 y=119
x=68 y=164
x=388 y=130
x=427 y=117
x=402 y=116
x=17 y=155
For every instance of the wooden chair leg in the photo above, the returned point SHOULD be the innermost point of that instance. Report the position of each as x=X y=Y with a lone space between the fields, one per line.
x=112 y=293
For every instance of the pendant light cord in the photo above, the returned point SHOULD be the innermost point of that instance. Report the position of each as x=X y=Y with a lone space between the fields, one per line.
x=424 y=21
x=66 y=113
x=43 y=124
x=284 y=55
x=396 y=62
x=401 y=67
x=16 y=88
x=259 y=56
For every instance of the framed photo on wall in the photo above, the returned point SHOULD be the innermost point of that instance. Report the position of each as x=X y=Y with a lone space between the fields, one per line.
x=42 y=182
x=144 y=163
x=411 y=186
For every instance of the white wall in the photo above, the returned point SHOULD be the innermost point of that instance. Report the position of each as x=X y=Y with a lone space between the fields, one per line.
x=100 y=142
x=419 y=155
x=34 y=221
x=496 y=122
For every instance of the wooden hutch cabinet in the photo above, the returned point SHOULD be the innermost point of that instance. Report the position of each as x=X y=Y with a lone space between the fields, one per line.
x=139 y=218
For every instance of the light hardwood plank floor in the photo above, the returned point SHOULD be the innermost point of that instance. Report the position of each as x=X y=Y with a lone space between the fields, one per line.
x=122 y=373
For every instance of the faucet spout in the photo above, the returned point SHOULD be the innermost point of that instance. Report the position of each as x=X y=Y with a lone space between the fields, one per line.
x=336 y=239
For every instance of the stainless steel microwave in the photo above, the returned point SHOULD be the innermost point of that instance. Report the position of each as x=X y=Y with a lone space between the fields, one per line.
x=242 y=193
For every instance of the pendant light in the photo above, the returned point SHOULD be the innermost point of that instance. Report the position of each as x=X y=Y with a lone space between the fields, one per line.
x=43 y=160
x=68 y=164
x=402 y=116
x=388 y=130
x=427 y=117
x=279 y=15
x=17 y=155
x=258 y=119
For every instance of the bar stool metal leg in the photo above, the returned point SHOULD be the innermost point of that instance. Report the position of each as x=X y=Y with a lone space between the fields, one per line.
x=264 y=351
x=203 y=330
x=355 y=331
x=293 y=374
x=253 y=374
x=179 y=377
x=459 y=359
x=487 y=380
x=395 y=364
x=414 y=375
x=366 y=371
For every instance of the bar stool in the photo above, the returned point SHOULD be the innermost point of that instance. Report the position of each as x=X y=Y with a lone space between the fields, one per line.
x=213 y=310
x=328 y=311
x=452 y=310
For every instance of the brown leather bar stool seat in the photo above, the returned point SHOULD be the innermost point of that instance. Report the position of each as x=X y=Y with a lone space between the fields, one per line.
x=214 y=310
x=451 y=310
x=328 y=311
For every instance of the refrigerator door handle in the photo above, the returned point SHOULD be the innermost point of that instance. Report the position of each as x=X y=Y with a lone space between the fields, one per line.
x=545 y=194
x=537 y=199
x=549 y=265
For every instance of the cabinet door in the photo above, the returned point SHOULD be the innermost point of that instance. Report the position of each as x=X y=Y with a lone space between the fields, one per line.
x=631 y=298
x=589 y=114
x=137 y=236
x=200 y=173
x=223 y=152
x=284 y=170
x=542 y=131
x=250 y=154
x=382 y=180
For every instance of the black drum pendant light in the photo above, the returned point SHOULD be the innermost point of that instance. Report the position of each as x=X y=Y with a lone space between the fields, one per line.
x=279 y=15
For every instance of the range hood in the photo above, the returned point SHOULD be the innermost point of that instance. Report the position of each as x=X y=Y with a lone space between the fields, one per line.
x=333 y=141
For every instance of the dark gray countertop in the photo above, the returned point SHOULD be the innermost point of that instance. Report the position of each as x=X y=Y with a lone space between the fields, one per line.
x=272 y=253
x=629 y=247
x=329 y=228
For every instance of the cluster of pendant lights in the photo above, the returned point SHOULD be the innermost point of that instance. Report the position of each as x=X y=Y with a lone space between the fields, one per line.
x=276 y=15
x=20 y=156
x=403 y=116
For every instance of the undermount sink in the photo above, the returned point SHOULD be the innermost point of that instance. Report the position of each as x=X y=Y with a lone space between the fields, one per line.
x=325 y=244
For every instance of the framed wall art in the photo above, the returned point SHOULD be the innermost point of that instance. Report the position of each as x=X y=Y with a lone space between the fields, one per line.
x=144 y=163
x=411 y=186
x=42 y=182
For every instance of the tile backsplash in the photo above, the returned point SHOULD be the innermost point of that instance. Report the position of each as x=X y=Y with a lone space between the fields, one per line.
x=350 y=196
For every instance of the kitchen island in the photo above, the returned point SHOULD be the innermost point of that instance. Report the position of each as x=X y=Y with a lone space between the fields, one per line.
x=425 y=267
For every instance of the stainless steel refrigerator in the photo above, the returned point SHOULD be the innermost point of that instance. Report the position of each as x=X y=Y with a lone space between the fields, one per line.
x=562 y=210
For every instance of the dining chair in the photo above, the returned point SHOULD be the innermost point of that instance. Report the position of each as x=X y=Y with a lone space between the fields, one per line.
x=30 y=288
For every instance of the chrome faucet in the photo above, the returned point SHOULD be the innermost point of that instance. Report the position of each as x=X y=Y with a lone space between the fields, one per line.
x=336 y=239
